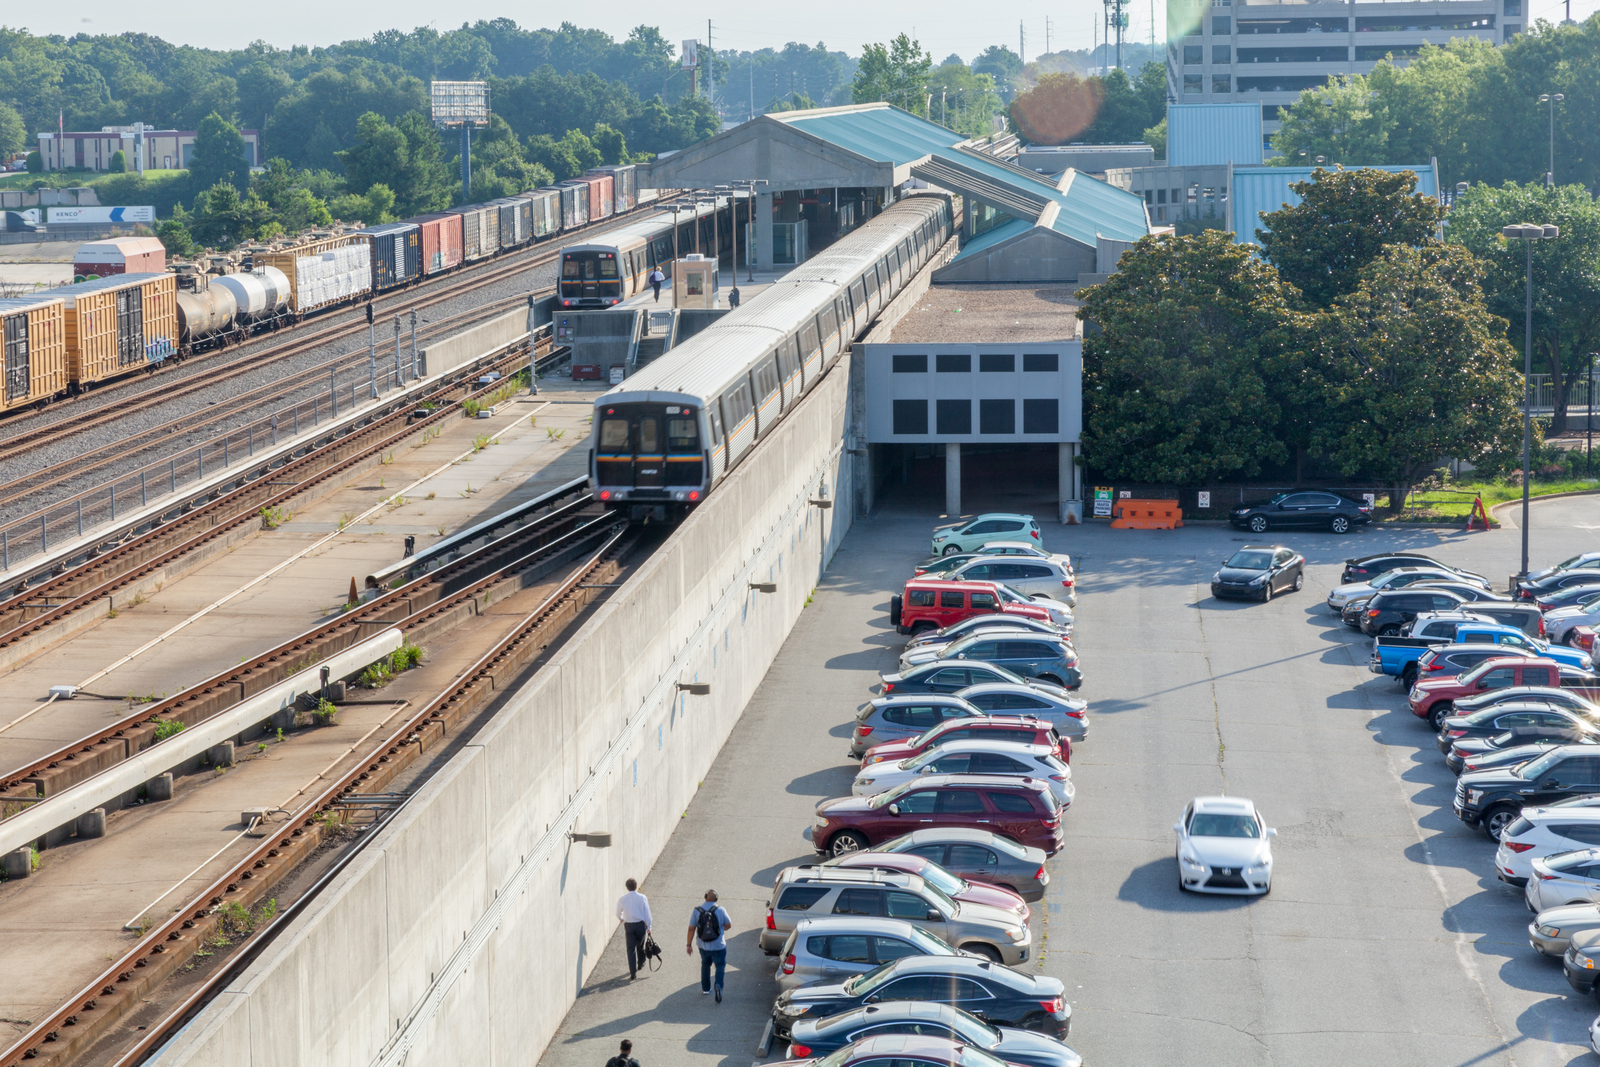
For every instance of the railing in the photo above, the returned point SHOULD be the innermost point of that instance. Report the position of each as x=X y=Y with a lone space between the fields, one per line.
x=1578 y=397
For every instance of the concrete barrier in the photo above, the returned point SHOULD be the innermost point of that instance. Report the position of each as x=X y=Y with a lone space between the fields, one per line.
x=450 y=353
x=465 y=930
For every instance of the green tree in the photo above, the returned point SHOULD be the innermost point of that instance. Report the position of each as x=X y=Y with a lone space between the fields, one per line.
x=1176 y=380
x=13 y=134
x=174 y=234
x=1057 y=109
x=963 y=101
x=1128 y=108
x=406 y=156
x=374 y=206
x=1156 y=137
x=610 y=143
x=35 y=163
x=1566 y=273
x=1341 y=121
x=894 y=73
x=1344 y=219
x=1416 y=367
x=284 y=190
x=1000 y=63
x=118 y=163
x=218 y=156
x=222 y=218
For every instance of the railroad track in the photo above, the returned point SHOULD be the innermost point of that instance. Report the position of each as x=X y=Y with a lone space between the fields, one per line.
x=118 y=451
x=77 y=588
x=128 y=984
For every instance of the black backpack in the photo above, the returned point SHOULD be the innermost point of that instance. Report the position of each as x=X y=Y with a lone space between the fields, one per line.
x=707 y=926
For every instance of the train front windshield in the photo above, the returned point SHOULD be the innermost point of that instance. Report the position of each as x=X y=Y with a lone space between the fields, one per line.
x=590 y=278
x=649 y=446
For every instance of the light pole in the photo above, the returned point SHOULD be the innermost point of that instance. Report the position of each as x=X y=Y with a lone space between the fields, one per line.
x=1550 y=175
x=1527 y=233
x=749 y=186
x=372 y=356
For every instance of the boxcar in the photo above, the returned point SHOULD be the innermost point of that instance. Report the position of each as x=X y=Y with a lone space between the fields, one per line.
x=119 y=255
x=323 y=272
x=480 y=231
x=118 y=324
x=441 y=242
x=35 y=333
x=544 y=208
x=396 y=249
x=574 y=204
x=601 y=203
x=516 y=221
x=624 y=186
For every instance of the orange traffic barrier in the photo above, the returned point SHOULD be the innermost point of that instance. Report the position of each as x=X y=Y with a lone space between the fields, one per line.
x=1146 y=515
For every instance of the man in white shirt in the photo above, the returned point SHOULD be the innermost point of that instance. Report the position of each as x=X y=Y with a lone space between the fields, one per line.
x=633 y=908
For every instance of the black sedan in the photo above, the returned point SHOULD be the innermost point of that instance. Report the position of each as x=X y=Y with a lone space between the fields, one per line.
x=1321 y=511
x=1573 y=596
x=1472 y=750
x=1556 y=582
x=809 y=1038
x=1501 y=719
x=993 y=993
x=1258 y=571
x=1469 y=591
x=1527 y=694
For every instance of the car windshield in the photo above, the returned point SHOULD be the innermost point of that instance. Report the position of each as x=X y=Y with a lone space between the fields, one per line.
x=942 y=898
x=1502 y=740
x=1274 y=500
x=935 y=732
x=976 y=1057
x=889 y=796
x=1221 y=824
x=1468 y=677
x=1248 y=560
x=1581 y=858
x=1535 y=769
x=942 y=880
x=1564 y=564
x=862 y=984
x=929 y=944
x=837 y=1058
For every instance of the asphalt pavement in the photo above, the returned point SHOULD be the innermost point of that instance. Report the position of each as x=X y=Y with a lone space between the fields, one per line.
x=1386 y=939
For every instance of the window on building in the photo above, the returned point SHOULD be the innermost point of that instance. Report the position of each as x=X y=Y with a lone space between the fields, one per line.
x=1041 y=416
x=954 y=363
x=1221 y=25
x=1513 y=7
x=910 y=364
x=1221 y=54
x=1193 y=55
x=1512 y=29
x=1221 y=83
x=1177 y=196
x=997 y=416
x=1161 y=196
x=954 y=417
x=1193 y=84
x=997 y=362
x=1149 y=196
x=910 y=416
x=1041 y=361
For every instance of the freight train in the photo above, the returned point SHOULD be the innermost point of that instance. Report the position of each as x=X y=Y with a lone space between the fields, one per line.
x=137 y=321
x=669 y=434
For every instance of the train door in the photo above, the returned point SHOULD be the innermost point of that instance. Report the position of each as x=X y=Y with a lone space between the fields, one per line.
x=718 y=452
x=650 y=451
x=18 y=379
x=631 y=450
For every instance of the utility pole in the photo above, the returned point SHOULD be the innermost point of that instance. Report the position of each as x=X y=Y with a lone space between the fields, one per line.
x=372 y=355
x=399 y=371
x=711 y=69
x=1022 y=42
x=1047 y=35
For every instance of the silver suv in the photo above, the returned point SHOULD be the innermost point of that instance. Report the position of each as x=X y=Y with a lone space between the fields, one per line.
x=1031 y=577
x=902 y=718
x=834 y=948
x=813 y=892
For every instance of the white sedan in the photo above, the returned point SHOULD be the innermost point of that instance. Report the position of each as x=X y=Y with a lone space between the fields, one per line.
x=971 y=756
x=1223 y=847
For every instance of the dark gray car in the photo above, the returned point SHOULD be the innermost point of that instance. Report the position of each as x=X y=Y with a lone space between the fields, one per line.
x=899 y=718
x=1067 y=713
x=978 y=856
x=1026 y=656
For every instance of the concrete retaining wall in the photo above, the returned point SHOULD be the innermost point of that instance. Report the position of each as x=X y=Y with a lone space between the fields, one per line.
x=465 y=930
x=450 y=353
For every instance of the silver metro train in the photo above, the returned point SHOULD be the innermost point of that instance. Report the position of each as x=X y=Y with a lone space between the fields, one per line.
x=668 y=435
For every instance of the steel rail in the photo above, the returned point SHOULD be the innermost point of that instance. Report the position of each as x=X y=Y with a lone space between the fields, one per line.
x=164 y=948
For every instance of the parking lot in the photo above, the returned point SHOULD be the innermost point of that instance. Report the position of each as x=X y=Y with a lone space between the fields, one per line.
x=1386 y=939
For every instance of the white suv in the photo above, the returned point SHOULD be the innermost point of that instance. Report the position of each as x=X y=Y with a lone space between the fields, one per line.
x=1542 y=832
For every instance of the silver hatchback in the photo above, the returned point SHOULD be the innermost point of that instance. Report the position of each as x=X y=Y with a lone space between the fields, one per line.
x=1568 y=878
x=833 y=948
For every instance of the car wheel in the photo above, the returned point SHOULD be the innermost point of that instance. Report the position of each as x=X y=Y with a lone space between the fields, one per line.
x=1497 y=819
x=950 y=550
x=922 y=627
x=1389 y=631
x=1568 y=639
x=989 y=952
x=1408 y=677
x=1258 y=524
x=1299 y=581
x=1439 y=713
x=845 y=842
x=1266 y=591
x=1339 y=525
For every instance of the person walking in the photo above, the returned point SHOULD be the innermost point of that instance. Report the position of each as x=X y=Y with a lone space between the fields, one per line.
x=655 y=278
x=623 y=1058
x=733 y=297
x=709 y=924
x=633 y=908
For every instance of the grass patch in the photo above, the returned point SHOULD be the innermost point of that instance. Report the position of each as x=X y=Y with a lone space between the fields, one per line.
x=166 y=728
x=1453 y=500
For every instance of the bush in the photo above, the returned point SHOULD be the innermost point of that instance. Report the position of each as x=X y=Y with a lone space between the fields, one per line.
x=119 y=162
x=35 y=163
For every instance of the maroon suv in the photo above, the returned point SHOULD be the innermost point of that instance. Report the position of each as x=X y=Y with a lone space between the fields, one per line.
x=1022 y=809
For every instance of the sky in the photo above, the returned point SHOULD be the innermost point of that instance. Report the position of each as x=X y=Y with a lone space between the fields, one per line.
x=942 y=26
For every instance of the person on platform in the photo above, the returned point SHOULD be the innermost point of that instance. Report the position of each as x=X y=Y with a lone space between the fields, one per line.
x=709 y=924
x=633 y=908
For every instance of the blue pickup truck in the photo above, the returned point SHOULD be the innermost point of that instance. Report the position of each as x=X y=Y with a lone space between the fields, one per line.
x=1397 y=656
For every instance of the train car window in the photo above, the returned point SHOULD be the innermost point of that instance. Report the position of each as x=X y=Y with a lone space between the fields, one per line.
x=830 y=321
x=786 y=363
x=608 y=267
x=869 y=283
x=569 y=267
x=614 y=434
x=808 y=338
x=858 y=292
x=649 y=434
x=716 y=426
x=682 y=434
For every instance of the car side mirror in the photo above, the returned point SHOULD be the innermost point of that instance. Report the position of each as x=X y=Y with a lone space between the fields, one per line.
x=934 y=916
x=1271 y=832
x=961 y=655
x=894 y=809
x=1177 y=827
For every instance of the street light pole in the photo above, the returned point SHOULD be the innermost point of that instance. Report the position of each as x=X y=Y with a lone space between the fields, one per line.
x=372 y=356
x=1527 y=233
x=1550 y=175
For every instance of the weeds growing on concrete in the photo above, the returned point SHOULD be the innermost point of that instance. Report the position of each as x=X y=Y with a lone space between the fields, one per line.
x=431 y=495
x=388 y=457
x=440 y=530
x=274 y=517
x=376 y=676
x=405 y=657
x=326 y=713
x=554 y=435
x=166 y=728
x=280 y=733
x=112 y=613
x=480 y=442
x=345 y=520
x=471 y=407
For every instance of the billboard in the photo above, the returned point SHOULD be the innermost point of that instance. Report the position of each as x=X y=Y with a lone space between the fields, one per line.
x=98 y=216
x=456 y=103
x=691 y=54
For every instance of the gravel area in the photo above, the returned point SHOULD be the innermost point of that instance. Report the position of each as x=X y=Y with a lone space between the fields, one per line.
x=977 y=314
x=348 y=355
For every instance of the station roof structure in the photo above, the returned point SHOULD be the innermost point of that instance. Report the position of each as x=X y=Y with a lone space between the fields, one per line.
x=878 y=146
x=1258 y=189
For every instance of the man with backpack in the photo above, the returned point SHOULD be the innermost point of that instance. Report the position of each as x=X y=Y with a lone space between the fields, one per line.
x=655 y=278
x=625 y=1057
x=709 y=924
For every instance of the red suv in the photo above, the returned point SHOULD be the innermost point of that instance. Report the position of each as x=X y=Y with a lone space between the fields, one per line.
x=1434 y=698
x=1022 y=809
x=933 y=603
x=996 y=728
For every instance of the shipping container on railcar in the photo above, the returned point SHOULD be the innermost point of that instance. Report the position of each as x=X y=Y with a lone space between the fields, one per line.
x=259 y=295
x=582 y=202
x=119 y=255
x=34 y=329
x=396 y=249
x=441 y=242
x=207 y=313
x=323 y=271
x=544 y=211
x=624 y=186
x=119 y=324
x=601 y=196
x=480 y=231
